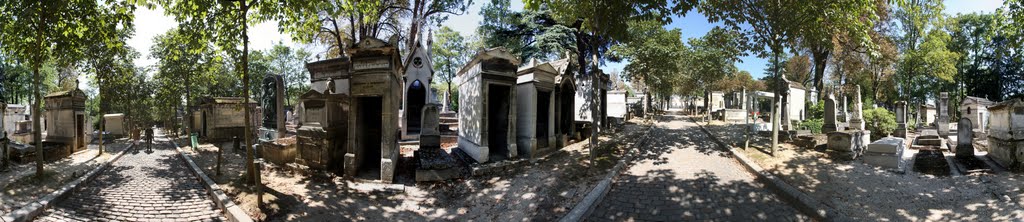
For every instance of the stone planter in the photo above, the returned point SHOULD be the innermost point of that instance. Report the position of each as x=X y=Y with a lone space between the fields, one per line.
x=281 y=151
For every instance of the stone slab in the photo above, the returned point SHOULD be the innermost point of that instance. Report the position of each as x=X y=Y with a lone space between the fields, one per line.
x=929 y=141
x=929 y=134
x=438 y=175
x=888 y=145
x=888 y=160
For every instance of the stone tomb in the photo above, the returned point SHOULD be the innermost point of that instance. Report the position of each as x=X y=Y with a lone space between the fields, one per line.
x=617 y=105
x=1006 y=134
x=942 y=108
x=323 y=128
x=901 y=120
x=925 y=116
x=586 y=97
x=373 y=119
x=114 y=124
x=929 y=137
x=221 y=118
x=323 y=115
x=886 y=152
x=964 y=139
x=976 y=109
x=66 y=122
x=432 y=162
x=487 y=107
x=851 y=142
x=856 y=139
x=416 y=91
x=565 y=101
x=535 y=109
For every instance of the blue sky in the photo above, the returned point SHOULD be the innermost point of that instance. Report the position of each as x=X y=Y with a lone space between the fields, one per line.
x=150 y=23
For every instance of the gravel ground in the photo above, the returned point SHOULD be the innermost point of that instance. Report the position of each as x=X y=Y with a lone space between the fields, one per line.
x=20 y=185
x=544 y=190
x=864 y=192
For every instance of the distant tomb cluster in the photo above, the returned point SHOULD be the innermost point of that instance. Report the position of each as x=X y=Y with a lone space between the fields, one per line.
x=978 y=133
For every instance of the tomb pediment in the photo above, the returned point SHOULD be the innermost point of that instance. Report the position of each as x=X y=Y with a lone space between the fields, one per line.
x=494 y=60
x=322 y=70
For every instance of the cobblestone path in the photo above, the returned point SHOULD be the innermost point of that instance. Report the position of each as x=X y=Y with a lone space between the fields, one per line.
x=143 y=185
x=682 y=175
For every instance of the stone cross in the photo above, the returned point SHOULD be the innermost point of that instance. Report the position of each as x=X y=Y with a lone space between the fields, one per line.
x=901 y=119
x=857 y=117
x=830 y=115
x=942 y=108
x=964 y=139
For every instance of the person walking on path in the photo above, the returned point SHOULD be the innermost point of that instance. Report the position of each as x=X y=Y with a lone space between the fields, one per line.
x=149 y=139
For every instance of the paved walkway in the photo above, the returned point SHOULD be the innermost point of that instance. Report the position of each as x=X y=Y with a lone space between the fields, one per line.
x=143 y=185
x=682 y=175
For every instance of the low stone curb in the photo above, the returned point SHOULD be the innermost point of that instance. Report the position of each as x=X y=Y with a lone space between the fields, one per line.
x=32 y=210
x=805 y=203
x=589 y=202
x=233 y=212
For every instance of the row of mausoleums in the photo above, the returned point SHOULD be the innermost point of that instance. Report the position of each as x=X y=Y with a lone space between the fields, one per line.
x=65 y=127
x=362 y=104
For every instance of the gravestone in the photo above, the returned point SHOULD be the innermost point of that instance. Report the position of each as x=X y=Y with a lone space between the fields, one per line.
x=942 y=107
x=857 y=115
x=901 y=120
x=830 y=115
x=272 y=102
x=886 y=152
x=432 y=162
x=965 y=139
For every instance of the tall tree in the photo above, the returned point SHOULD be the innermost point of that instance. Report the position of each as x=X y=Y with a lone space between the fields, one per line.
x=39 y=31
x=769 y=26
x=713 y=58
x=824 y=20
x=422 y=12
x=528 y=34
x=339 y=24
x=449 y=52
x=915 y=18
x=654 y=58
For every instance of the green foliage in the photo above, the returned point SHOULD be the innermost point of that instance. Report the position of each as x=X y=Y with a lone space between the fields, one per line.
x=654 y=60
x=450 y=52
x=879 y=121
x=813 y=124
x=528 y=34
x=816 y=111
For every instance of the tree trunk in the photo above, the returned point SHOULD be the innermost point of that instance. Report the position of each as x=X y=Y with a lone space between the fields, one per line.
x=820 y=61
x=188 y=105
x=776 y=103
x=37 y=133
x=254 y=174
x=103 y=124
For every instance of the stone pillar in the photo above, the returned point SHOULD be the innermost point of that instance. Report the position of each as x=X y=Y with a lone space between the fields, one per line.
x=901 y=120
x=857 y=117
x=942 y=109
x=830 y=115
x=785 y=124
x=964 y=139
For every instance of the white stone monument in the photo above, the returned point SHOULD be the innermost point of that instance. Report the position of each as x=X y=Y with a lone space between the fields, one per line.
x=487 y=108
x=535 y=109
